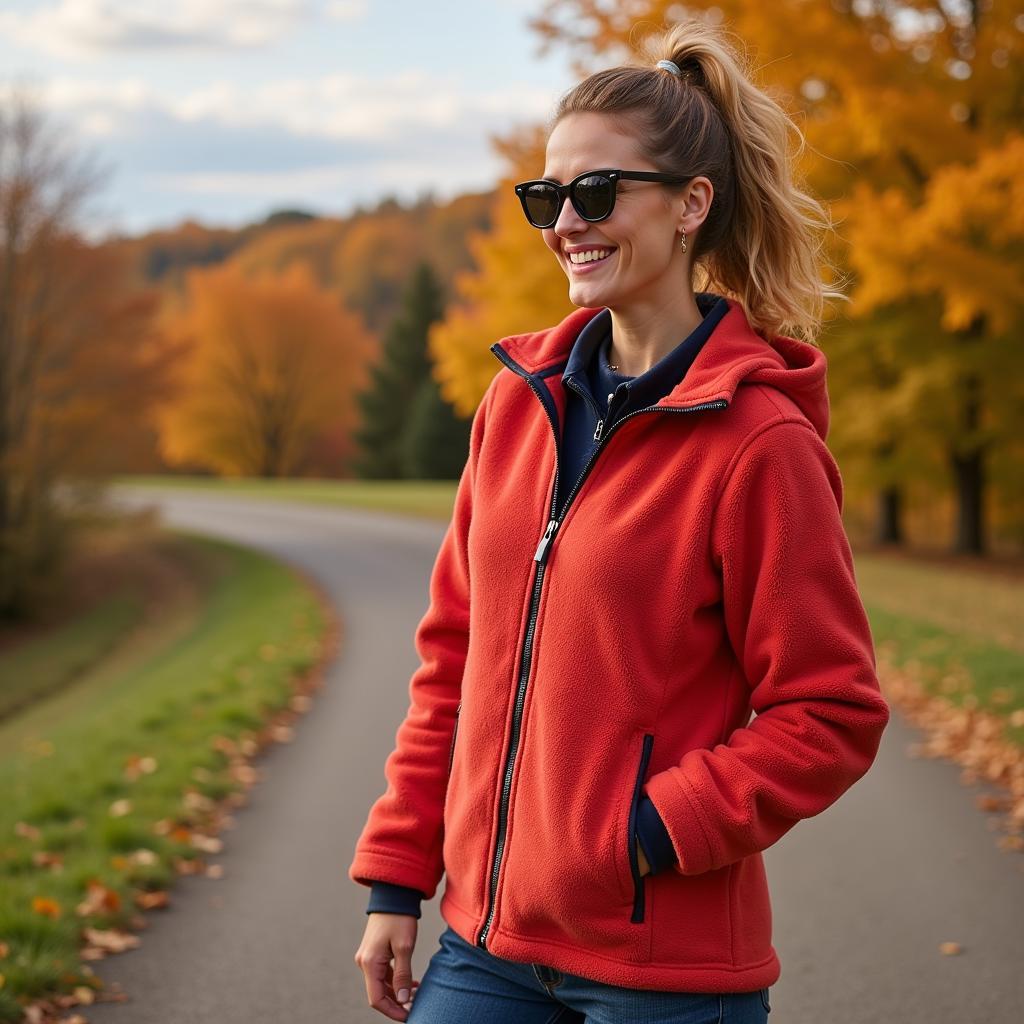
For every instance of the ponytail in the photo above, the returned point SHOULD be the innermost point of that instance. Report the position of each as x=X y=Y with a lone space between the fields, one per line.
x=761 y=242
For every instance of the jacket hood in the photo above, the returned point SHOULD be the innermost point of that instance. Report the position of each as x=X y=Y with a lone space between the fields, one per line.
x=733 y=355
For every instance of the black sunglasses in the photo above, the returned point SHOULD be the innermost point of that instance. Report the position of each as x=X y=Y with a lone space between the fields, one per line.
x=592 y=194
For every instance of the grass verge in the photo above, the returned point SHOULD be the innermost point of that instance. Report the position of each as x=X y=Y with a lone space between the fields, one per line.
x=117 y=783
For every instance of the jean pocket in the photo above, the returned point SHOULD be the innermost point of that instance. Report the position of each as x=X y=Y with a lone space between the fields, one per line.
x=764 y=1000
x=634 y=863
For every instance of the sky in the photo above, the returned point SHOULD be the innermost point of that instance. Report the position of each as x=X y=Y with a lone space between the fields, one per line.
x=226 y=110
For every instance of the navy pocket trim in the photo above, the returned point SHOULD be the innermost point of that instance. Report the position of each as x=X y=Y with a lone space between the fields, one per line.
x=634 y=865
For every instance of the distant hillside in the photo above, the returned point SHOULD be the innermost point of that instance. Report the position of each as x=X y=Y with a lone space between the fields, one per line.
x=365 y=257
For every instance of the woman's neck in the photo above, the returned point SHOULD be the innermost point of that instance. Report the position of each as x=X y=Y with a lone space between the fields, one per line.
x=641 y=335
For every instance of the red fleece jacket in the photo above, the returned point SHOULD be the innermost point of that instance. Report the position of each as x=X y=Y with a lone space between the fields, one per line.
x=699 y=571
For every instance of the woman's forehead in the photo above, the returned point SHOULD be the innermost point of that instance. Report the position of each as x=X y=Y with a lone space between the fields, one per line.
x=584 y=142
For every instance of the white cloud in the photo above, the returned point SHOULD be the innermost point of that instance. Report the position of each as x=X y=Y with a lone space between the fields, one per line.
x=345 y=10
x=73 y=28
x=339 y=107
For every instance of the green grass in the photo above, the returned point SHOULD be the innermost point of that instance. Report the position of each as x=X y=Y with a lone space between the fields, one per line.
x=433 y=499
x=221 y=672
x=63 y=655
x=960 y=631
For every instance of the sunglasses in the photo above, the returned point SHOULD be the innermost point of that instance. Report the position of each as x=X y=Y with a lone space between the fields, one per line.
x=592 y=194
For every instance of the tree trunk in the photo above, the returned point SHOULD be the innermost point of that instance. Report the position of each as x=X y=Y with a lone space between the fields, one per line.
x=890 y=516
x=967 y=459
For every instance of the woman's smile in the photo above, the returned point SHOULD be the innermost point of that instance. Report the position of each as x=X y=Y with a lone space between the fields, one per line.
x=586 y=260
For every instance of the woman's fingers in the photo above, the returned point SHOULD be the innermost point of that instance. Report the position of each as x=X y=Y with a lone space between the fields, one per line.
x=387 y=937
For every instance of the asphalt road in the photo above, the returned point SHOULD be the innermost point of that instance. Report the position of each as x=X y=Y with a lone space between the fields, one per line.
x=863 y=894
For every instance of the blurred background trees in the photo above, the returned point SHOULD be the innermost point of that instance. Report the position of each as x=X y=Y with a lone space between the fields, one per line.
x=309 y=346
x=80 y=356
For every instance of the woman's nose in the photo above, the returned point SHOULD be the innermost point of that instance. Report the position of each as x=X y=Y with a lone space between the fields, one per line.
x=569 y=222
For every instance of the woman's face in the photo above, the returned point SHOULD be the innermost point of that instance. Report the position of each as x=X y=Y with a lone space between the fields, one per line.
x=644 y=263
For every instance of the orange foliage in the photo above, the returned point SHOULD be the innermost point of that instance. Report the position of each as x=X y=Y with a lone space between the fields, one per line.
x=274 y=363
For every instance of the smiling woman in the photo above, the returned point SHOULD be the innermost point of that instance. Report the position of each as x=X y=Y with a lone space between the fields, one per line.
x=646 y=550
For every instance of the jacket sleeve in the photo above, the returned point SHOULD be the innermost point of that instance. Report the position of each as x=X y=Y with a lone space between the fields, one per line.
x=402 y=839
x=801 y=637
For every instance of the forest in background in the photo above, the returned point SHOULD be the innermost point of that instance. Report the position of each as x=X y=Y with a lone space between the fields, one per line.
x=310 y=346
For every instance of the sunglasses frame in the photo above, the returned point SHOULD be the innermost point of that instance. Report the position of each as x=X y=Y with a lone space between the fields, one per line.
x=614 y=175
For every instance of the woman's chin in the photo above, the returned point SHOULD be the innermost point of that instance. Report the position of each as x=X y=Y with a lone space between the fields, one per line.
x=586 y=294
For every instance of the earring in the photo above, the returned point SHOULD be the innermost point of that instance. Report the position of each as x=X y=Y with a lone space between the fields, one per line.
x=682 y=241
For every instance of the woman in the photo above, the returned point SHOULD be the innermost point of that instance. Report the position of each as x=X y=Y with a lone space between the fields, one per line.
x=646 y=546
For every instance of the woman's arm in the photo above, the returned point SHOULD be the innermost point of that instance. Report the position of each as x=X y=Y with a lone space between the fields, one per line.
x=801 y=636
x=401 y=842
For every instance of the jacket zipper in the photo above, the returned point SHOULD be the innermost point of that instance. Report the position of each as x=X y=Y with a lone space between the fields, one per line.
x=455 y=732
x=634 y=862
x=540 y=558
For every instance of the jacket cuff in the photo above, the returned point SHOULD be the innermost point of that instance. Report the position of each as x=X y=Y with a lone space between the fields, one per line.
x=386 y=898
x=684 y=821
x=653 y=836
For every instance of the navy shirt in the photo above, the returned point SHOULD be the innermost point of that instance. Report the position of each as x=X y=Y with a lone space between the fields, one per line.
x=610 y=395
x=606 y=397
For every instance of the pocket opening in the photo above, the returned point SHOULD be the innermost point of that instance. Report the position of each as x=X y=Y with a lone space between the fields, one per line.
x=637 y=915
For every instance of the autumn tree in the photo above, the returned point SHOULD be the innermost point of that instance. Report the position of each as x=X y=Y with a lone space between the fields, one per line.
x=912 y=116
x=80 y=360
x=274 y=360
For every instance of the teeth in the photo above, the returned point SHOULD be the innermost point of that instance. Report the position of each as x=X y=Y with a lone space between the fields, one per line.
x=589 y=256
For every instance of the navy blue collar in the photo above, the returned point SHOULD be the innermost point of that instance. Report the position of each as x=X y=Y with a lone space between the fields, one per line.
x=655 y=382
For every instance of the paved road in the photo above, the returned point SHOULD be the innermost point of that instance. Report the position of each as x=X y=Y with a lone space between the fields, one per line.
x=863 y=894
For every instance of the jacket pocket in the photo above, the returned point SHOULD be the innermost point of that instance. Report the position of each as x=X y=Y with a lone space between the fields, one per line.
x=455 y=732
x=634 y=864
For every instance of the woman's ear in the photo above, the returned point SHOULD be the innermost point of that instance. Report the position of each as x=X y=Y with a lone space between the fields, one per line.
x=695 y=205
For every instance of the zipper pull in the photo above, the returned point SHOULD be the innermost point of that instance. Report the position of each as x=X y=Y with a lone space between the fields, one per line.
x=545 y=542
x=600 y=427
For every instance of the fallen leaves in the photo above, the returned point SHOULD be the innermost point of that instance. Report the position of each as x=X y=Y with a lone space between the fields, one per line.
x=138 y=765
x=158 y=899
x=969 y=736
x=193 y=826
x=46 y=907
x=99 y=899
x=48 y=859
x=102 y=941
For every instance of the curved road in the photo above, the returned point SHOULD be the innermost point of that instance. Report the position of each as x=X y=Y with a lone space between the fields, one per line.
x=863 y=895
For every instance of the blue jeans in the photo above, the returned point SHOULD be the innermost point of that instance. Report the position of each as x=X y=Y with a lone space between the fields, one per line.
x=470 y=985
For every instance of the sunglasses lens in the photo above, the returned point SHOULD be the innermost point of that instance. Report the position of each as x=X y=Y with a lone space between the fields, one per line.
x=541 y=202
x=593 y=196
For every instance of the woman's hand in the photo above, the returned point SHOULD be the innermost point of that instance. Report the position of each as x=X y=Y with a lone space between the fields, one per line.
x=388 y=936
x=645 y=868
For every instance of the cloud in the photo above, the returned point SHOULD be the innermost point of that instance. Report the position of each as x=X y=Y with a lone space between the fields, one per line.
x=74 y=28
x=224 y=150
x=338 y=106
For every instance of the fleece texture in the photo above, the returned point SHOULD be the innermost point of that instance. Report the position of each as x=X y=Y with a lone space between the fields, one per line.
x=596 y=396
x=699 y=576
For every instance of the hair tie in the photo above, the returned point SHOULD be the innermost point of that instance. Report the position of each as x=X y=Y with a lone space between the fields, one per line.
x=669 y=65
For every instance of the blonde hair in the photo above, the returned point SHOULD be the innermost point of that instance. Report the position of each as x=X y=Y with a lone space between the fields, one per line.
x=762 y=240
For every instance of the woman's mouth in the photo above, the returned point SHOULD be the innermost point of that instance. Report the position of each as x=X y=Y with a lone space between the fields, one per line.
x=588 y=260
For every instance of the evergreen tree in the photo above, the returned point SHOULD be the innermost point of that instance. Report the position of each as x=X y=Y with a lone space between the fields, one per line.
x=435 y=443
x=395 y=381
